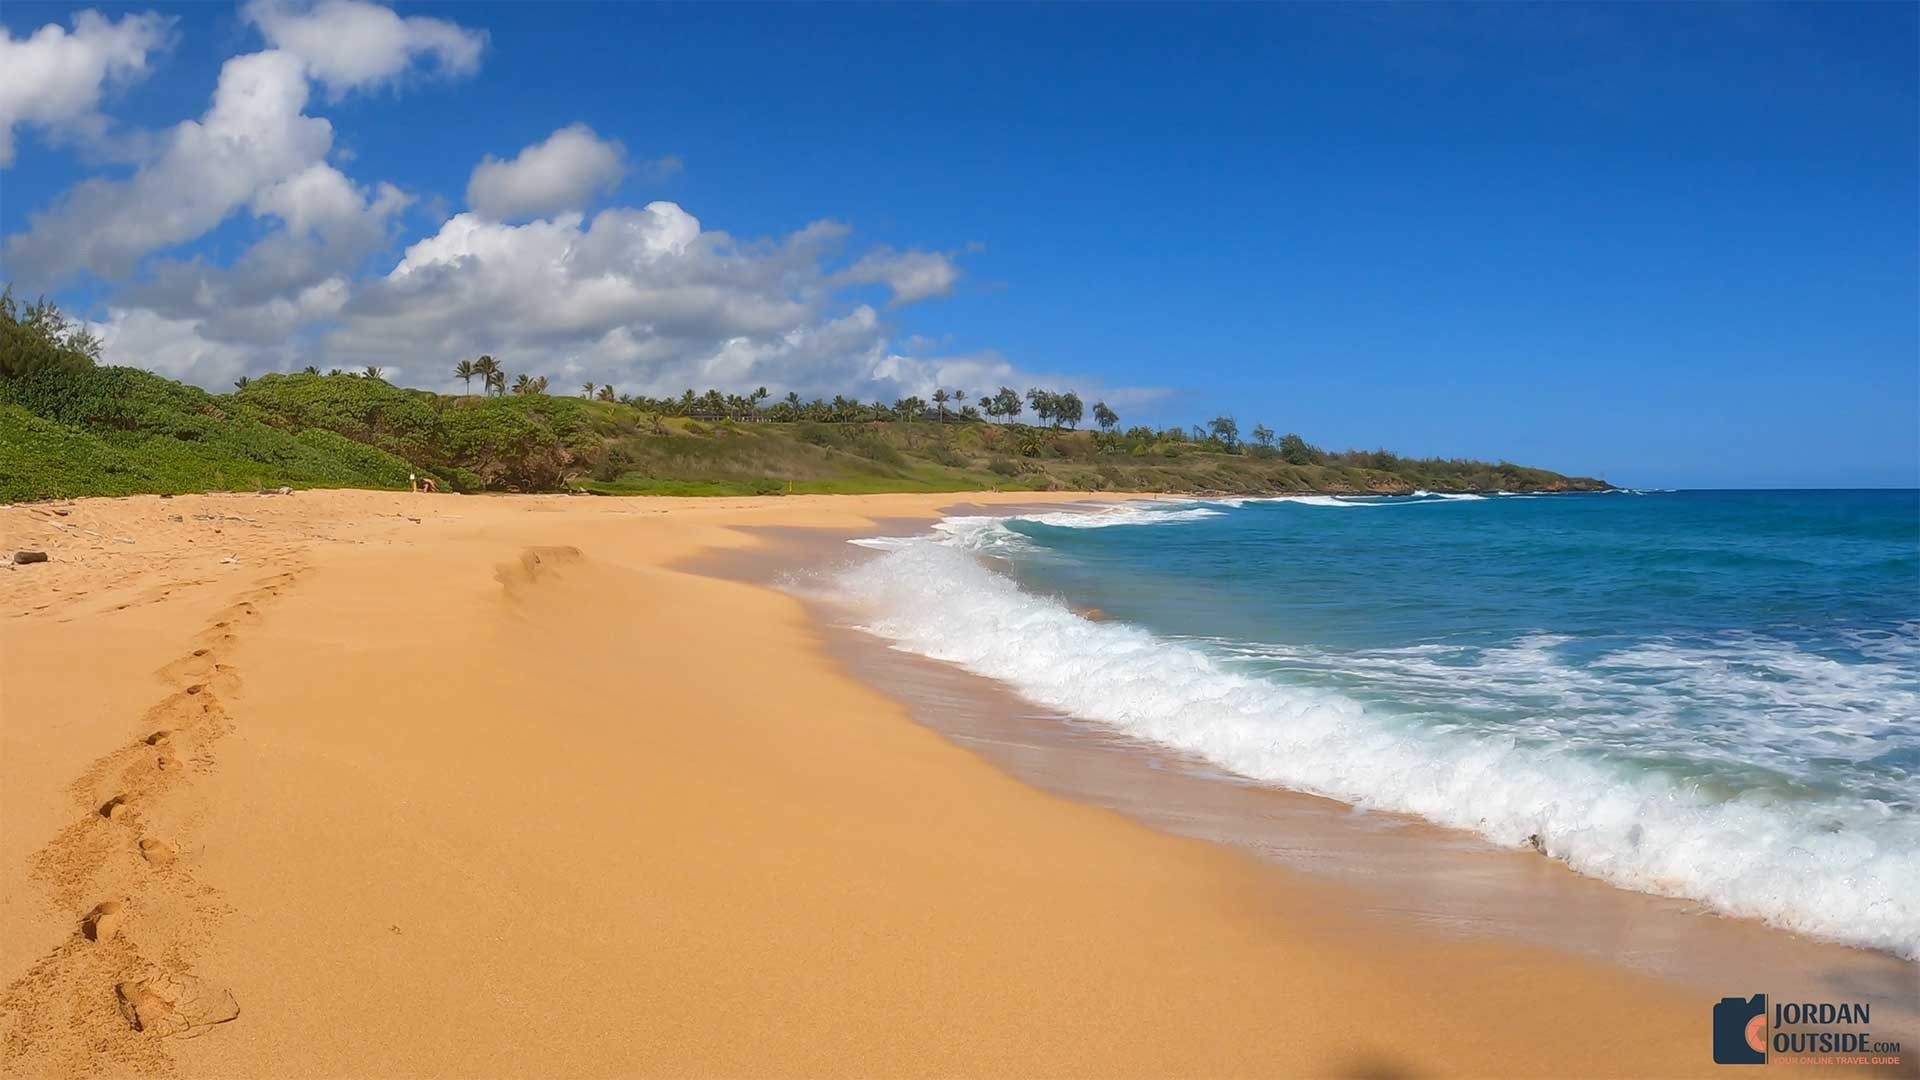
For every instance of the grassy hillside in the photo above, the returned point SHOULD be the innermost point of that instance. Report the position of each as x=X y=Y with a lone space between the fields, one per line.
x=70 y=431
x=117 y=431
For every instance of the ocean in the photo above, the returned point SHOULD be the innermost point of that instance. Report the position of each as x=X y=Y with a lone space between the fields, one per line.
x=1707 y=695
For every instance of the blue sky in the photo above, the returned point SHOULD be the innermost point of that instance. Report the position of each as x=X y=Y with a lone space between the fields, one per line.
x=1670 y=245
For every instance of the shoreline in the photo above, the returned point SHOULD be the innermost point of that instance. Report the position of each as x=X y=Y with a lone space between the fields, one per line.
x=1410 y=873
x=486 y=786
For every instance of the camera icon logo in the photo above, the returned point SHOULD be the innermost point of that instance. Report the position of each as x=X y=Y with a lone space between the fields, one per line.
x=1740 y=1031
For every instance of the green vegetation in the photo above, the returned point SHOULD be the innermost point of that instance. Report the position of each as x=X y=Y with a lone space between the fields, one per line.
x=38 y=338
x=70 y=428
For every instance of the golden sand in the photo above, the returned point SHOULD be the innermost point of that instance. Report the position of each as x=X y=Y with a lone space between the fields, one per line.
x=368 y=784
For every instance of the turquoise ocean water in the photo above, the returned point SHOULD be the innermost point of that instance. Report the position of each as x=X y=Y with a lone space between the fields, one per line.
x=1713 y=695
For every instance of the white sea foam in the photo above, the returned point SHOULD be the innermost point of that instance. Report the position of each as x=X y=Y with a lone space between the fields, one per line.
x=990 y=535
x=1353 y=501
x=1131 y=513
x=1839 y=866
x=1330 y=500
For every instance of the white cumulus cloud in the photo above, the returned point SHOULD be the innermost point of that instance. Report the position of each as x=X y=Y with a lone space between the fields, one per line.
x=254 y=135
x=547 y=178
x=172 y=347
x=349 y=45
x=291 y=277
x=54 y=78
x=912 y=276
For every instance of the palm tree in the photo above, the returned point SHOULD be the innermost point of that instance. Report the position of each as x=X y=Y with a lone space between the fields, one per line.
x=465 y=372
x=1224 y=430
x=331 y=372
x=375 y=371
x=540 y=385
x=489 y=371
x=241 y=383
x=497 y=382
x=940 y=399
x=606 y=392
x=309 y=370
x=523 y=385
x=586 y=390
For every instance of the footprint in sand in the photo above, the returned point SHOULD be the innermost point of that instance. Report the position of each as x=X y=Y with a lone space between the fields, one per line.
x=201 y=652
x=104 y=920
x=165 y=760
x=158 y=853
x=166 y=1005
x=196 y=688
x=116 y=809
x=159 y=738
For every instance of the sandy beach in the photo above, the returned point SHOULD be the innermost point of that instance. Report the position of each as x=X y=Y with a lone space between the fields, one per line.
x=391 y=785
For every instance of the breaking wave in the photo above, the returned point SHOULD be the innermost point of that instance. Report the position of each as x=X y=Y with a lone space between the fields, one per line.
x=1842 y=864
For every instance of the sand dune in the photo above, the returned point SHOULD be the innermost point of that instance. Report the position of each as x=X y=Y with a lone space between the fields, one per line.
x=366 y=784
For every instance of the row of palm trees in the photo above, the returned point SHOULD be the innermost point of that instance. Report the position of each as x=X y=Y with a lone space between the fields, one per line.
x=1005 y=403
x=371 y=371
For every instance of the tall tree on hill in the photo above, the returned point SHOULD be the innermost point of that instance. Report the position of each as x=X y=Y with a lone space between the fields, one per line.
x=586 y=390
x=1044 y=405
x=1263 y=435
x=375 y=371
x=606 y=392
x=1226 y=431
x=523 y=385
x=310 y=370
x=940 y=402
x=1067 y=409
x=1004 y=403
x=1104 y=416
x=464 y=372
x=241 y=383
x=489 y=371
